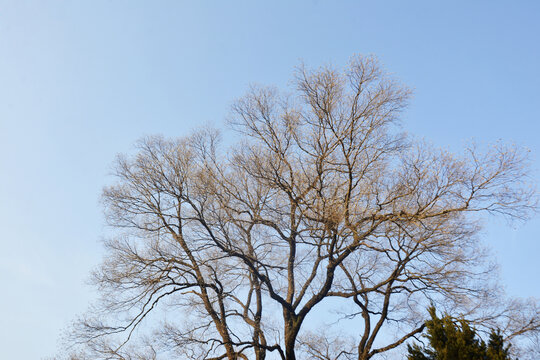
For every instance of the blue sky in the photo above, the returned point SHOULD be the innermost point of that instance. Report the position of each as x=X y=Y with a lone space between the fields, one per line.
x=81 y=81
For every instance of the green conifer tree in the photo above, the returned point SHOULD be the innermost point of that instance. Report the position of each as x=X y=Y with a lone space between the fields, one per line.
x=496 y=349
x=451 y=340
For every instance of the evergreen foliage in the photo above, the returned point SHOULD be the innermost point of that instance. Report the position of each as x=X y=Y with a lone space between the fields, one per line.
x=496 y=349
x=457 y=340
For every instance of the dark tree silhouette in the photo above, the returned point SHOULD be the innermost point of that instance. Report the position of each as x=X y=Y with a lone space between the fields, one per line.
x=450 y=339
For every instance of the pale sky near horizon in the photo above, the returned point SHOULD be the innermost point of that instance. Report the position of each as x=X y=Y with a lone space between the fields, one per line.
x=81 y=81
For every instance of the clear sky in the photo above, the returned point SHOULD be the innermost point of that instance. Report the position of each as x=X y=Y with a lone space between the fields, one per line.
x=80 y=81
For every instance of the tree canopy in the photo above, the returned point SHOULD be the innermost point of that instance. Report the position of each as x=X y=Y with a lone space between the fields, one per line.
x=323 y=203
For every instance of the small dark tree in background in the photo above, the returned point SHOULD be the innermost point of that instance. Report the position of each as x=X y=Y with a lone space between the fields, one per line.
x=457 y=340
x=496 y=349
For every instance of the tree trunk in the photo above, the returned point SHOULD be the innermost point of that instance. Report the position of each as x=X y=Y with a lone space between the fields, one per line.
x=292 y=326
x=290 y=339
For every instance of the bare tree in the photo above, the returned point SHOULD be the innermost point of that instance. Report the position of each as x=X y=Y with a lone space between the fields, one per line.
x=322 y=203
